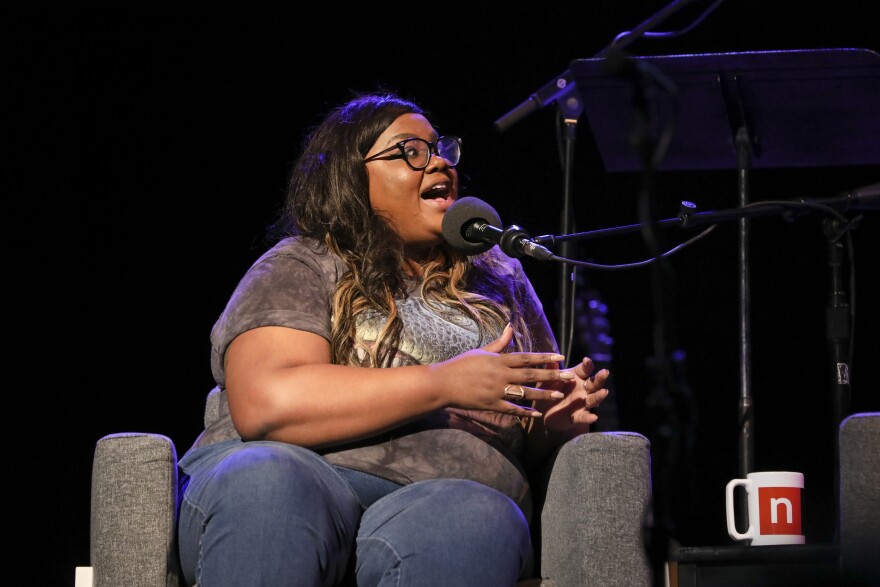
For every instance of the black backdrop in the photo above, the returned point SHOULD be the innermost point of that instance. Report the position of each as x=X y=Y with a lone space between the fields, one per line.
x=150 y=148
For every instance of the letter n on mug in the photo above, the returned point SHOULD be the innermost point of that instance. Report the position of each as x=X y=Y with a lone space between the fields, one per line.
x=774 y=508
x=780 y=510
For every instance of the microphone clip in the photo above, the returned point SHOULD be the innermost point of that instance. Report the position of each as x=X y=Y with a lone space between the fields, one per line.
x=512 y=241
x=516 y=242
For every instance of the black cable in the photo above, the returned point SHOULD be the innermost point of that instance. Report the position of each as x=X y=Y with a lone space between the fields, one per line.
x=602 y=267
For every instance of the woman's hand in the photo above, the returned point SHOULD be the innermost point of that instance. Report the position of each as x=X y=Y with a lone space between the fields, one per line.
x=583 y=392
x=489 y=379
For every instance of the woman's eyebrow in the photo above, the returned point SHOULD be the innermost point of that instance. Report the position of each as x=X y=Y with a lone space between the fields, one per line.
x=408 y=135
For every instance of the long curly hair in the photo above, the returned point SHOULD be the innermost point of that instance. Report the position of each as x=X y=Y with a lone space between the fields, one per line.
x=328 y=200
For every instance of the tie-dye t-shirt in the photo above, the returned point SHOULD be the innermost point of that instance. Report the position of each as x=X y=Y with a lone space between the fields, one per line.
x=292 y=284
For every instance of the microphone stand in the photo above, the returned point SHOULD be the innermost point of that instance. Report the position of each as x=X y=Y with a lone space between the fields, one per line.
x=570 y=107
x=838 y=330
x=661 y=407
x=688 y=218
x=571 y=111
x=563 y=91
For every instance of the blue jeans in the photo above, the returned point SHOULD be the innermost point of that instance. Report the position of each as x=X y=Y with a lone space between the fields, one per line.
x=274 y=514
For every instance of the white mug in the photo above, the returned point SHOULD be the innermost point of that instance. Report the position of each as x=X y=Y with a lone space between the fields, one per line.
x=774 y=508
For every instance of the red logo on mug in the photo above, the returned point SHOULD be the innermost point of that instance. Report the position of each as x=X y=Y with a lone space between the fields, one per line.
x=780 y=509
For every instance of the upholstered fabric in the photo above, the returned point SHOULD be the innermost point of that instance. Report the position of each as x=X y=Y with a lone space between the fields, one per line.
x=134 y=484
x=212 y=406
x=597 y=504
x=859 y=443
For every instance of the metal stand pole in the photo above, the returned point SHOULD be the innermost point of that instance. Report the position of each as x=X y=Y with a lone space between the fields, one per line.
x=746 y=407
x=570 y=109
x=565 y=324
x=838 y=329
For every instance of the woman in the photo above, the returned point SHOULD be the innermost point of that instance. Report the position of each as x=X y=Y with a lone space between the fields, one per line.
x=328 y=466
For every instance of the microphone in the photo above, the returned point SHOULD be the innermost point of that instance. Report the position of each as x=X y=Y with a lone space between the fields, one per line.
x=860 y=199
x=554 y=90
x=863 y=198
x=470 y=227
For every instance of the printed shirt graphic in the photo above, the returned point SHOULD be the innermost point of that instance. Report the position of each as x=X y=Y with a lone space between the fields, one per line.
x=780 y=510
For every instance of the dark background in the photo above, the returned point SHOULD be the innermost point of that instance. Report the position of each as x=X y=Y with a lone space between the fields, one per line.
x=150 y=149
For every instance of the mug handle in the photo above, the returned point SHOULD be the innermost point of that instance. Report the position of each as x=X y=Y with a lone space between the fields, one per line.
x=731 y=524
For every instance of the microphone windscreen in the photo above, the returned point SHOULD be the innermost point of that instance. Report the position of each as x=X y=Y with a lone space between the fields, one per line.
x=460 y=215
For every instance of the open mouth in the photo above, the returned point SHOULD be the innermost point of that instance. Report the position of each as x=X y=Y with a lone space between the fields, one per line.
x=438 y=192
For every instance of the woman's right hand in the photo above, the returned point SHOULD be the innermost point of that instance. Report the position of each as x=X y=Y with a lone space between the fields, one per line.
x=488 y=378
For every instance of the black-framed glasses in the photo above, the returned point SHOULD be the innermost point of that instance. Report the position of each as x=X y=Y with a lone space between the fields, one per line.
x=417 y=152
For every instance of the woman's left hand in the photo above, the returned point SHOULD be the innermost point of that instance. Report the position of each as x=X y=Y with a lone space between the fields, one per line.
x=583 y=393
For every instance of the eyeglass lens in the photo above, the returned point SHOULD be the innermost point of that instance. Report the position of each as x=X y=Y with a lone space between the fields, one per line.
x=449 y=149
x=417 y=151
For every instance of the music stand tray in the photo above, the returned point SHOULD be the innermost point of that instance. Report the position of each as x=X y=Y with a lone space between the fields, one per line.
x=801 y=108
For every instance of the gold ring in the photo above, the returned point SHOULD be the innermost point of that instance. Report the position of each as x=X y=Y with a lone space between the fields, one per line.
x=510 y=394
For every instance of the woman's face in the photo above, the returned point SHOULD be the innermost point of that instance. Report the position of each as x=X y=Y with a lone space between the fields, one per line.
x=413 y=201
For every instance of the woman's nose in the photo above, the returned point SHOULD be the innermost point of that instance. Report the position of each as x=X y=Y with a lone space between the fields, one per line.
x=437 y=163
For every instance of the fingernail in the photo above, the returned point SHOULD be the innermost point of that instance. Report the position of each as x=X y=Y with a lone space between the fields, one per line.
x=566 y=375
x=557 y=395
x=557 y=357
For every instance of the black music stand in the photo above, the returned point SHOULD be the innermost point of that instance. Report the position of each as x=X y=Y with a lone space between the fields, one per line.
x=776 y=109
x=801 y=108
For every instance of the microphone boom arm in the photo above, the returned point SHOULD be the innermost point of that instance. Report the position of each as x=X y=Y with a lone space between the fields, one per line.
x=867 y=198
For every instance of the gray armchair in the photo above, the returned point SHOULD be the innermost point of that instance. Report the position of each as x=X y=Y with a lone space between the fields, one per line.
x=600 y=542
x=859 y=447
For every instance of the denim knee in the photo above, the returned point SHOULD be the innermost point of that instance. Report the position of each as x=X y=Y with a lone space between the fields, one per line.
x=268 y=504
x=443 y=531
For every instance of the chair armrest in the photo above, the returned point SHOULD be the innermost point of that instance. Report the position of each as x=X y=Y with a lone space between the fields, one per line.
x=212 y=406
x=596 y=510
x=134 y=497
